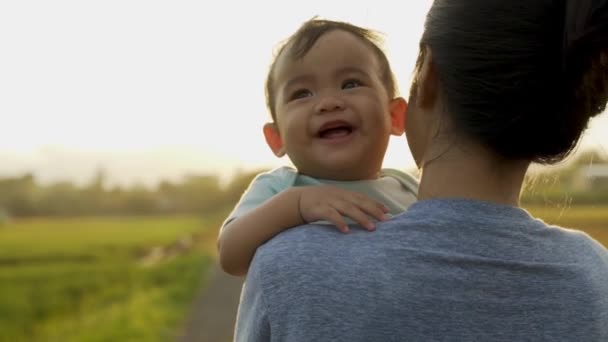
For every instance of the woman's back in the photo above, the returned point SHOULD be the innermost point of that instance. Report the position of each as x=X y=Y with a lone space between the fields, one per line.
x=498 y=86
x=447 y=270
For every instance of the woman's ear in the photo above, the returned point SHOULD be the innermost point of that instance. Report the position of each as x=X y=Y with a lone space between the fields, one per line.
x=398 y=109
x=273 y=139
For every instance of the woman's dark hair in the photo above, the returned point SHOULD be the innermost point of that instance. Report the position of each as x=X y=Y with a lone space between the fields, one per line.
x=521 y=76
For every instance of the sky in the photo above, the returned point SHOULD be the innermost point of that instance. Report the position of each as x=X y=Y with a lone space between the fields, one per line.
x=150 y=90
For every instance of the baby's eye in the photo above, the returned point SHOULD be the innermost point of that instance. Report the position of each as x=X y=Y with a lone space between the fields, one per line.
x=348 y=84
x=300 y=94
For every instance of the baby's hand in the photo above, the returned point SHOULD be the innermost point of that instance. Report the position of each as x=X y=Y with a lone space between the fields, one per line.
x=330 y=203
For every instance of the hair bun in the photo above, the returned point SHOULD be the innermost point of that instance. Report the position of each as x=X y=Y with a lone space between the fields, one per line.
x=585 y=28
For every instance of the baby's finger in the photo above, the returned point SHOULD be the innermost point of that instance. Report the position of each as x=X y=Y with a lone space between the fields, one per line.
x=355 y=213
x=372 y=208
x=333 y=216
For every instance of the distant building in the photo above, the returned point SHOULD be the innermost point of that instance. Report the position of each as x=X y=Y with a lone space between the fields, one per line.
x=592 y=177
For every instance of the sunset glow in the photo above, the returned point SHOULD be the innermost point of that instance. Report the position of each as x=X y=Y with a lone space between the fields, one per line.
x=154 y=89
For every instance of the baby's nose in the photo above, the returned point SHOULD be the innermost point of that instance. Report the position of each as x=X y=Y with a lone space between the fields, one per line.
x=330 y=104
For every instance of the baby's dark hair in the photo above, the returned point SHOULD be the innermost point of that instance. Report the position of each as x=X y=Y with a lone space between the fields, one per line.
x=300 y=43
x=524 y=77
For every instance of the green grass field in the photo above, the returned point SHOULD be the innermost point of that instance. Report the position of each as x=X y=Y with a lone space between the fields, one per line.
x=100 y=279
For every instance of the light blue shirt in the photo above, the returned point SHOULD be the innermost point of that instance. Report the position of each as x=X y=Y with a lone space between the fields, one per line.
x=395 y=189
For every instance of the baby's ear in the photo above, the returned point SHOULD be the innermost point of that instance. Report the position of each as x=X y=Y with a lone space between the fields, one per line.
x=273 y=139
x=398 y=109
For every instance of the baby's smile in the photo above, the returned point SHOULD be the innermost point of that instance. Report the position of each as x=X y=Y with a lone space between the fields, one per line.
x=335 y=130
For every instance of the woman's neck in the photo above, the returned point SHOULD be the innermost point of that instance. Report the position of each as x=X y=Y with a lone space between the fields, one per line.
x=472 y=173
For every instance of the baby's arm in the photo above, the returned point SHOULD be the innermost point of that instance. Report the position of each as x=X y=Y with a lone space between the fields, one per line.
x=295 y=206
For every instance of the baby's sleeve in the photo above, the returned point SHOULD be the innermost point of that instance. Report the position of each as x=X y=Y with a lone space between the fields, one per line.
x=407 y=180
x=262 y=188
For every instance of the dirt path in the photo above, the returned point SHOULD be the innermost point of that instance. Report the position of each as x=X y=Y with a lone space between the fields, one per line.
x=214 y=310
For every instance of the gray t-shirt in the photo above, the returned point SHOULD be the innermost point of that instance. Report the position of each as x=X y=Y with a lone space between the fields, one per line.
x=445 y=270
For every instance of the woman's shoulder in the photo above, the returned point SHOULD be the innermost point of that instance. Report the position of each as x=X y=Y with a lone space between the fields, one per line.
x=580 y=247
x=586 y=242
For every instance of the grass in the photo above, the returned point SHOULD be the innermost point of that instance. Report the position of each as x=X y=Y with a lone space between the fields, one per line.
x=82 y=279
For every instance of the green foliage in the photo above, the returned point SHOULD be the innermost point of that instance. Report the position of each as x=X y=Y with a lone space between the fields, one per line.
x=84 y=280
x=24 y=197
x=198 y=194
x=556 y=186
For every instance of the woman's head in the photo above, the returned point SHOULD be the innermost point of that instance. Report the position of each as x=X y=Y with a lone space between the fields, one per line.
x=520 y=77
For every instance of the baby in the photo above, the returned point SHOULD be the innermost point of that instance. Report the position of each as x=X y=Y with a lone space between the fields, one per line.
x=332 y=97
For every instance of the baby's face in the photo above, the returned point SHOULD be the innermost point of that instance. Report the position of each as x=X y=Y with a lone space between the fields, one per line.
x=332 y=110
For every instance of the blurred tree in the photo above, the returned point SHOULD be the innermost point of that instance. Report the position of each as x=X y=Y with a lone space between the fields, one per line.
x=201 y=194
x=19 y=195
x=239 y=183
x=560 y=184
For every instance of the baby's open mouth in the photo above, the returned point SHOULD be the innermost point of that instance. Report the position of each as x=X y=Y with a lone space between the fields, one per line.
x=335 y=129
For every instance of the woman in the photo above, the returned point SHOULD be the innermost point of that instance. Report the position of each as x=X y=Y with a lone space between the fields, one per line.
x=498 y=85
